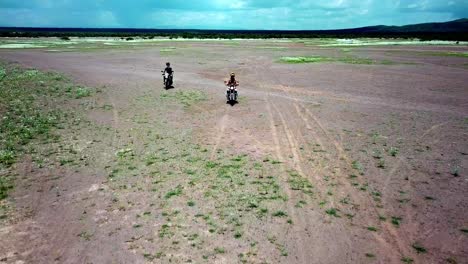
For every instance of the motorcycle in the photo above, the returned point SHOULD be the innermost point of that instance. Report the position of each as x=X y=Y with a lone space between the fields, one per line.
x=168 y=79
x=231 y=93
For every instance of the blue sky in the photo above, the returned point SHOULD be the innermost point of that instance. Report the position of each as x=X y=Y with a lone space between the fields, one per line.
x=225 y=14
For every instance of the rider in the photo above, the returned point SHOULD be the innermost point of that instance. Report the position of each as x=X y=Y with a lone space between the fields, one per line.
x=232 y=82
x=168 y=69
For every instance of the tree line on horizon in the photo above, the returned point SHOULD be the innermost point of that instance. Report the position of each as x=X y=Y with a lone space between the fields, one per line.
x=454 y=36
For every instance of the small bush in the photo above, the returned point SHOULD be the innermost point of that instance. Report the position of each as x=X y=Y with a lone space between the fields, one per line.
x=419 y=248
x=396 y=221
x=332 y=212
x=174 y=192
x=219 y=250
x=394 y=151
x=82 y=92
x=280 y=214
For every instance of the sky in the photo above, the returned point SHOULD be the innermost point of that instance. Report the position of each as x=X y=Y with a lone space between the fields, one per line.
x=225 y=14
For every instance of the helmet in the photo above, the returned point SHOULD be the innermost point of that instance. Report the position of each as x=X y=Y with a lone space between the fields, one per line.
x=168 y=64
x=233 y=74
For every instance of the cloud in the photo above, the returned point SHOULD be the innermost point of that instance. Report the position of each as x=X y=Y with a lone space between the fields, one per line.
x=227 y=14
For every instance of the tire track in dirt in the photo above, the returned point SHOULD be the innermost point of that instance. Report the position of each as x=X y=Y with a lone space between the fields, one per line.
x=299 y=243
x=408 y=213
x=299 y=221
x=314 y=135
x=401 y=244
x=221 y=130
x=293 y=147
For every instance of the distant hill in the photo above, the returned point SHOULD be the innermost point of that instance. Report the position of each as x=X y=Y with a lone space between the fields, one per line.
x=460 y=25
x=452 y=30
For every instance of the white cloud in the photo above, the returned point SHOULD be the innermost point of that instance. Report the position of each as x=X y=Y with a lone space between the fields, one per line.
x=232 y=14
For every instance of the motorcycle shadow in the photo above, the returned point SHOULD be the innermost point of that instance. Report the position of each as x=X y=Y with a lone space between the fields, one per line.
x=232 y=103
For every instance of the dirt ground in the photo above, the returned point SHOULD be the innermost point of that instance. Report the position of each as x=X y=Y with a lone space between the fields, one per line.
x=383 y=146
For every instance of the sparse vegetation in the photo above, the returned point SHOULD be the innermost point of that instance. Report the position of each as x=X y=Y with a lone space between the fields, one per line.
x=82 y=92
x=185 y=97
x=178 y=191
x=396 y=221
x=174 y=192
x=305 y=59
x=24 y=118
x=332 y=212
x=358 y=166
x=297 y=182
x=394 y=151
x=320 y=59
x=280 y=214
x=419 y=248
x=407 y=260
x=219 y=250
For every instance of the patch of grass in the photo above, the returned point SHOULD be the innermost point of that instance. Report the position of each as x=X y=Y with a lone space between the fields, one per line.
x=283 y=251
x=297 y=182
x=125 y=153
x=321 y=59
x=464 y=230
x=419 y=248
x=407 y=260
x=211 y=165
x=394 y=151
x=396 y=221
x=6 y=185
x=372 y=228
x=455 y=171
x=82 y=92
x=377 y=154
x=237 y=234
x=167 y=50
x=381 y=164
x=149 y=257
x=26 y=116
x=7 y=157
x=444 y=54
x=185 y=97
x=300 y=204
x=262 y=212
x=355 y=60
x=332 y=212
x=312 y=59
x=85 y=235
x=370 y=255
x=280 y=213
x=219 y=250
x=358 y=166
x=165 y=231
x=174 y=192
x=191 y=203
